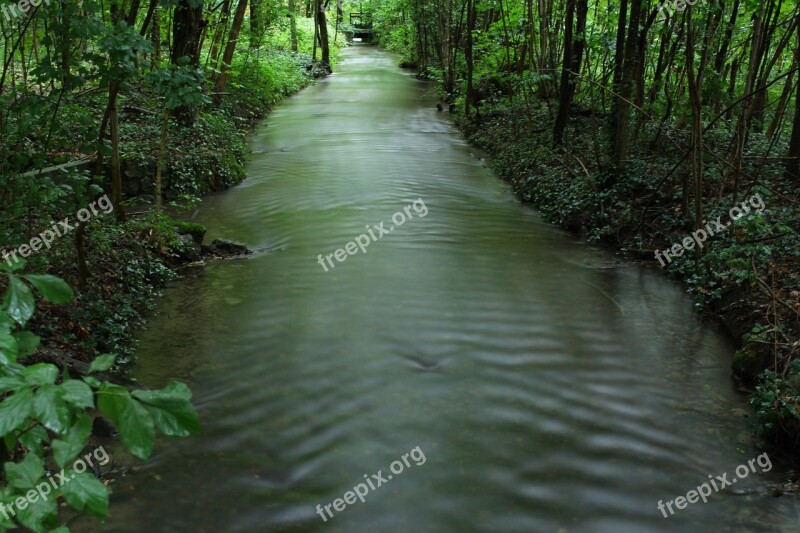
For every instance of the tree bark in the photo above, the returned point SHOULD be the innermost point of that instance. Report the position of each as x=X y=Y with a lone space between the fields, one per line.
x=187 y=30
x=470 y=58
x=322 y=22
x=793 y=164
x=230 y=49
x=573 y=57
x=293 y=24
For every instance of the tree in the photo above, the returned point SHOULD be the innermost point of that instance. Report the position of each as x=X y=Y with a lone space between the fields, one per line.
x=187 y=29
x=293 y=24
x=322 y=30
x=230 y=48
x=793 y=163
x=573 y=56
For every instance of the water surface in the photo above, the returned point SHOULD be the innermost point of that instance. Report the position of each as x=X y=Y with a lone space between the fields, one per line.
x=549 y=387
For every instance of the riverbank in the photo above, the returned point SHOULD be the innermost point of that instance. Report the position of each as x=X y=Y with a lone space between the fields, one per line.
x=747 y=276
x=129 y=262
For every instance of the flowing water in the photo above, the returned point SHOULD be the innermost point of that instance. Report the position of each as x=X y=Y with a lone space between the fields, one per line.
x=548 y=387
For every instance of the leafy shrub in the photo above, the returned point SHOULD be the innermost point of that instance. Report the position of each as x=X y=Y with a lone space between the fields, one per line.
x=45 y=415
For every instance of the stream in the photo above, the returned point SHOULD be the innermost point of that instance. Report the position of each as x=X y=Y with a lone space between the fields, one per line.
x=548 y=386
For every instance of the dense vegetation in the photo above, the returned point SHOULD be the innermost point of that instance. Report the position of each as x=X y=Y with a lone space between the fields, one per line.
x=115 y=116
x=640 y=123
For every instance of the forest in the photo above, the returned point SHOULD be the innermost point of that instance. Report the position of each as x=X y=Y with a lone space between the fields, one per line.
x=666 y=134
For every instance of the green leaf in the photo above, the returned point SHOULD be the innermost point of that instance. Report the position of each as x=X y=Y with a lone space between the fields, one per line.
x=134 y=423
x=26 y=473
x=16 y=265
x=171 y=409
x=10 y=383
x=15 y=409
x=77 y=393
x=92 y=382
x=38 y=513
x=65 y=450
x=33 y=438
x=9 y=347
x=27 y=343
x=40 y=374
x=51 y=410
x=19 y=300
x=86 y=493
x=102 y=363
x=51 y=288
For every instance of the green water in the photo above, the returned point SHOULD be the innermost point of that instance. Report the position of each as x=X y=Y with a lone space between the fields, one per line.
x=548 y=388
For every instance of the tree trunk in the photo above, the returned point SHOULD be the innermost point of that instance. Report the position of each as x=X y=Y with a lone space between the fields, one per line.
x=695 y=80
x=793 y=164
x=111 y=115
x=293 y=24
x=470 y=58
x=573 y=57
x=187 y=30
x=322 y=22
x=784 y=99
x=219 y=32
x=116 y=170
x=161 y=161
x=230 y=48
x=627 y=82
x=256 y=22
x=564 y=87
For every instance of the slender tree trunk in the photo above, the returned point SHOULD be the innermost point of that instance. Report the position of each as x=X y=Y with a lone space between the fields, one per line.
x=784 y=99
x=793 y=164
x=256 y=22
x=743 y=124
x=627 y=84
x=573 y=57
x=470 y=58
x=293 y=24
x=219 y=32
x=695 y=80
x=322 y=22
x=230 y=49
x=116 y=170
x=545 y=65
x=564 y=87
x=111 y=115
x=161 y=161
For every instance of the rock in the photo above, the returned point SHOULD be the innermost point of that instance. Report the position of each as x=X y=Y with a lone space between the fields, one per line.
x=196 y=231
x=319 y=69
x=226 y=247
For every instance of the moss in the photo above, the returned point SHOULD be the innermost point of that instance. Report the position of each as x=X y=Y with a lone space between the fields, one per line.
x=197 y=231
x=748 y=362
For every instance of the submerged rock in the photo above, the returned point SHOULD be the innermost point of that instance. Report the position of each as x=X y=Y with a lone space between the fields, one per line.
x=227 y=248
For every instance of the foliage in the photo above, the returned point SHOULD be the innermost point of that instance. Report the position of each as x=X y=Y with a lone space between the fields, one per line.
x=45 y=413
x=776 y=402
